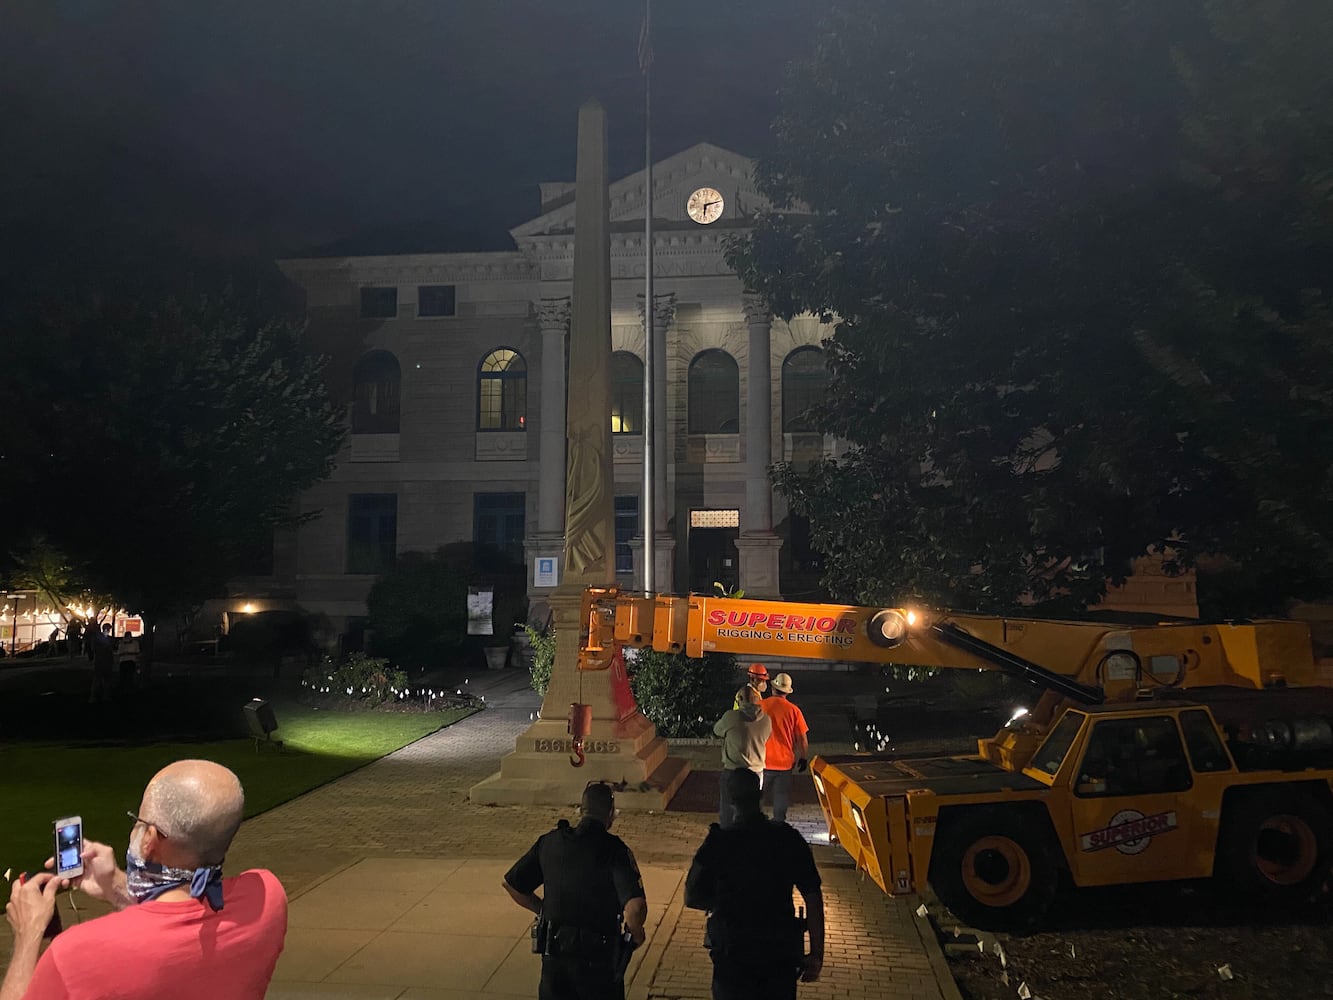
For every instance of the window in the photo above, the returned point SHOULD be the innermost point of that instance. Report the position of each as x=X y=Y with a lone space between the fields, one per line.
x=1206 y=751
x=375 y=394
x=714 y=394
x=497 y=529
x=372 y=532
x=626 y=393
x=1051 y=754
x=435 y=300
x=715 y=518
x=627 y=526
x=804 y=383
x=379 y=303
x=1140 y=756
x=502 y=392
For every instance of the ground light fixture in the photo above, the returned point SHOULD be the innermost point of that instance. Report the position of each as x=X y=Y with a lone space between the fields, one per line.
x=262 y=722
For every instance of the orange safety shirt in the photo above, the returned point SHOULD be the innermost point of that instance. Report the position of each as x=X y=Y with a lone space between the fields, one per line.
x=788 y=723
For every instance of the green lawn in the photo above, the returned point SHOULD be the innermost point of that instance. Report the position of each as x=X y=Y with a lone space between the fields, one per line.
x=40 y=783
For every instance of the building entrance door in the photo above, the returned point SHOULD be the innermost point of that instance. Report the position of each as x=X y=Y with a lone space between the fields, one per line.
x=713 y=559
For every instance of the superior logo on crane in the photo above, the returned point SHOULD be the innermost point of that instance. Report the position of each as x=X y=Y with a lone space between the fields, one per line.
x=783 y=627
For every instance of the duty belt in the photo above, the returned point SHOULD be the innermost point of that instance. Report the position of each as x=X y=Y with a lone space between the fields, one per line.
x=572 y=940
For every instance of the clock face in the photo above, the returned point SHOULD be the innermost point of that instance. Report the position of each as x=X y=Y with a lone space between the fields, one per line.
x=704 y=206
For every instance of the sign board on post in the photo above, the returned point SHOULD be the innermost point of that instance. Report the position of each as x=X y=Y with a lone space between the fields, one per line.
x=545 y=571
x=480 y=601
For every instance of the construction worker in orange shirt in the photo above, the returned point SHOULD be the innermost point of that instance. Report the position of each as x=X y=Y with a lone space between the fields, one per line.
x=788 y=746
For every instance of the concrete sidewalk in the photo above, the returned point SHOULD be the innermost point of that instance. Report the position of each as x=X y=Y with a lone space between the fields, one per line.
x=395 y=883
x=394 y=878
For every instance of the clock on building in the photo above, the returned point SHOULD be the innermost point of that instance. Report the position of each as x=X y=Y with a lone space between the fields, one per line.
x=704 y=206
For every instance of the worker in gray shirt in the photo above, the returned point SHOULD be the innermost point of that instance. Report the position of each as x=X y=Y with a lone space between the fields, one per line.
x=744 y=731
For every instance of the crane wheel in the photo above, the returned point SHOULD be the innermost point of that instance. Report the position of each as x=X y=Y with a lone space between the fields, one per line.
x=993 y=868
x=1275 y=843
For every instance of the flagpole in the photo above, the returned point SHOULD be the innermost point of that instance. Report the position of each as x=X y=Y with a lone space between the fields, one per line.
x=649 y=518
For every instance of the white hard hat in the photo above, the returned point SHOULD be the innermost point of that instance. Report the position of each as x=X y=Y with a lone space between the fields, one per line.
x=782 y=682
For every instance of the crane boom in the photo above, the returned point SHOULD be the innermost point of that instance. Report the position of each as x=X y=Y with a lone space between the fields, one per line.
x=1085 y=661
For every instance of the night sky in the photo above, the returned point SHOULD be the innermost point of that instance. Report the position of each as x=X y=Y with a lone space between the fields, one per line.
x=273 y=127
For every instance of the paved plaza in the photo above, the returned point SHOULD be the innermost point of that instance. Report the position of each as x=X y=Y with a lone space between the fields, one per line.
x=394 y=878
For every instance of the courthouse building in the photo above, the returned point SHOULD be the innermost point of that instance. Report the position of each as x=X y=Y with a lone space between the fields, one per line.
x=454 y=368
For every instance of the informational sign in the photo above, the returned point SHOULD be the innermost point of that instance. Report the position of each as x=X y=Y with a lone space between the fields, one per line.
x=480 y=603
x=545 y=571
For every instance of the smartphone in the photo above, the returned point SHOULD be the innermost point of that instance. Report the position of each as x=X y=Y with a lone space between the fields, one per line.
x=69 y=846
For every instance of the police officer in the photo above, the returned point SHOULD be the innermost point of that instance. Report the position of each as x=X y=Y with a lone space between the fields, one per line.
x=592 y=884
x=756 y=942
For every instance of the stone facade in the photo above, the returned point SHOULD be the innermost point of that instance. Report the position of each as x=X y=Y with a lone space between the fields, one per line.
x=445 y=444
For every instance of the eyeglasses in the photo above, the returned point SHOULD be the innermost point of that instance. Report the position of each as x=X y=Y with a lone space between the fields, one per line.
x=139 y=819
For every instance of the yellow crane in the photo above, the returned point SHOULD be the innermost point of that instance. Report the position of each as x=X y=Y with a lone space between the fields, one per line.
x=1164 y=751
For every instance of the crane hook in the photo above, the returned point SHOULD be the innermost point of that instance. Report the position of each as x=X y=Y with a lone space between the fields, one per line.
x=580 y=721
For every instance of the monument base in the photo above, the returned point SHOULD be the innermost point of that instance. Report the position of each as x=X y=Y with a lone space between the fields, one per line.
x=758 y=553
x=627 y=754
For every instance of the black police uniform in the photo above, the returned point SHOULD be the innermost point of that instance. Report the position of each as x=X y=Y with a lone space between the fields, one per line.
x=589 y=874
x=744 y=875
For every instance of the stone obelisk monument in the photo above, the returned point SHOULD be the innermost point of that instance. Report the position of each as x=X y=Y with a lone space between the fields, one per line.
x=622 y=747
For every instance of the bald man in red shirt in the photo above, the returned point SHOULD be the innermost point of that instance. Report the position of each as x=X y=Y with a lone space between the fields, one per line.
x=180 y=929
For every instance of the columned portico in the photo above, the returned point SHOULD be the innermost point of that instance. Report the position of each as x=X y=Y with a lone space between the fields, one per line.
x=758 y=545
x=549 y=538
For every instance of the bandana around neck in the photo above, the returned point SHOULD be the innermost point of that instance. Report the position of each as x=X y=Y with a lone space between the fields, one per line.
x=146 y=880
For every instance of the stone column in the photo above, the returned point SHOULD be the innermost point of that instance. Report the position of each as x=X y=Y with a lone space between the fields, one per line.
x=758 y=545
x=664 y=543
x=549 y=540
x=622 y=745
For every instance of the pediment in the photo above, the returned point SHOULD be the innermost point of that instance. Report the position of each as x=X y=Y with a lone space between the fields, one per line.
x=674 y=179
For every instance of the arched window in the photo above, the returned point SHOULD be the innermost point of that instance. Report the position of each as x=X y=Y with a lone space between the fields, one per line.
x=626 y=393
x=715 y=394
x=376 y=379
x=502 y=391
x=804 y=382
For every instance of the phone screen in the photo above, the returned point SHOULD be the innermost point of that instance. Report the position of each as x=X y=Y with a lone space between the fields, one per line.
x=69 y=845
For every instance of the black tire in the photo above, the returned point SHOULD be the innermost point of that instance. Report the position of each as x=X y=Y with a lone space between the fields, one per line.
x=1275 y=843
x=994 y=868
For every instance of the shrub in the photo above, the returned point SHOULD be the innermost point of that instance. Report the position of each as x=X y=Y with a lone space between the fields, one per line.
x=418 y=609
x=272 y=634
x=543 y=657
x=367 y=680
x=683 y=697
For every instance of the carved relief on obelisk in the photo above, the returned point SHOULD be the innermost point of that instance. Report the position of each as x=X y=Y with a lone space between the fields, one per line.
x=586 y=542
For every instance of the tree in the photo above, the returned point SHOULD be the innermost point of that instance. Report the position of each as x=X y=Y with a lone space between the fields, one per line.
x=157 y=443
x=989 y=199
x=1243 y=354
